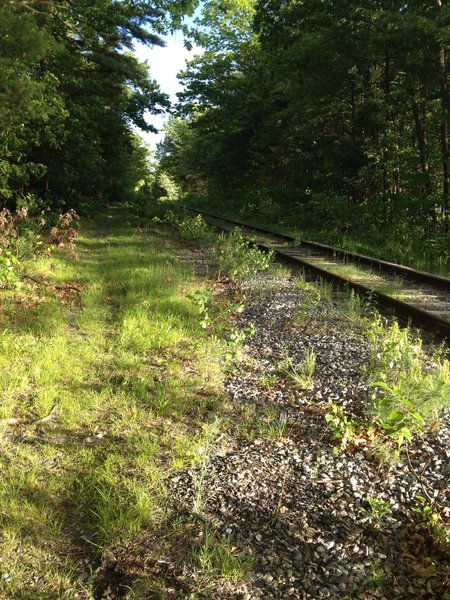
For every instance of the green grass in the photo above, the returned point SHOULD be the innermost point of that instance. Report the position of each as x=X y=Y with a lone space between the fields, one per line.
x=219 y=559
x=124 y=378
x=300 y=374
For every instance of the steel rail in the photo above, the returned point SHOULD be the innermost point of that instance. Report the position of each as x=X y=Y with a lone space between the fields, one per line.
x=409 y=272
x=404 y=310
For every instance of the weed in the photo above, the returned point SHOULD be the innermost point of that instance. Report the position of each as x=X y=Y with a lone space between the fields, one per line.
x=433 y=521
x=193 y=229
x=268 y=381
x=383 y=449
x=410 y=388
x=234 y=346
x=268 y=423
x=301 y=374
x=357 y=308
x=204 y=451
x=341 y=427
x=237 y=258
x=273 y=426
x=376 y=509
x=24 y=237
x=375 y=577
x=203 y=302
x=219 y=559
x=313 y=294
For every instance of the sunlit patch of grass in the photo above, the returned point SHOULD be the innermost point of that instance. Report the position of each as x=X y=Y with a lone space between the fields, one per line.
x=109 y=388
x=255 y=423
x=219 y=559
x=300 y=374
x=392 y=286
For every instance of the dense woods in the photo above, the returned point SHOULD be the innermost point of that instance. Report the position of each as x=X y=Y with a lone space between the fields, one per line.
x=330 y=114
x=70 y=92
x=335 y=110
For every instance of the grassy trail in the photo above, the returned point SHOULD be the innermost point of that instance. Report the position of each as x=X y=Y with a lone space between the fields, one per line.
x=102 y=394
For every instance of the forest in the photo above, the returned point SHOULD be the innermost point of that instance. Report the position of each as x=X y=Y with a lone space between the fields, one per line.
x=332 y=118
x=70 y=92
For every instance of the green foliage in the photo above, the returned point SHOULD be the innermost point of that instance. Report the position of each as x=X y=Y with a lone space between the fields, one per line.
x=234 y=347
x=71 y=90
x=202 y=300
x=434 y=522
x=377 y=509
x=341 y=426
x=237 y=258
x=411 y=388
x=357 y=308
x=193 y=229
x=9 y=268
x=326 y=115
x=22 y=238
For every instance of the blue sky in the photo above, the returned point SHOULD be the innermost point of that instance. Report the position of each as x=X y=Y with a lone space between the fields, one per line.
x=164 y=63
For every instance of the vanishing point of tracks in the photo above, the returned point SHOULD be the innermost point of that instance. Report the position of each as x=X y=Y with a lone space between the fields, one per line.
x=415 y=296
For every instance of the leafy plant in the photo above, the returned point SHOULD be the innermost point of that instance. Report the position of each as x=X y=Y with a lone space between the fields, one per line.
x=301 y=374
x=237 y=258
x=411 y=389
x=9 y=268
x=234 y=346
x=203 y=302
x=376 y=509
x=341 y=427
x=432 y=519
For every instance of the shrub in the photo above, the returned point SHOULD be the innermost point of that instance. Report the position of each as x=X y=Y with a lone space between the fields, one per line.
x=411 y=388
x=193 y=229
x=237 y=258
x=23 y=237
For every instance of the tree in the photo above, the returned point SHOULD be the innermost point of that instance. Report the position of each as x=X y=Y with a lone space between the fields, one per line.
x=70 y=92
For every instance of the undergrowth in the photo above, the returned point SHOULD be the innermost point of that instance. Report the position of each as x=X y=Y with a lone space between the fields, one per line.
x=410 y=388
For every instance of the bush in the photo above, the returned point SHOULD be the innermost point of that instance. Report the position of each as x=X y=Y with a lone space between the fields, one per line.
x=237 y=258
x=193 y=229
x=23 y=237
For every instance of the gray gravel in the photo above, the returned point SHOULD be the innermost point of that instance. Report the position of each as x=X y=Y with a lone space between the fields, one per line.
x=304 y=510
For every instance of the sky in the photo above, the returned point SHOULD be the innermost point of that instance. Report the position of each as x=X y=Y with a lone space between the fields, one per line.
x=164 y=63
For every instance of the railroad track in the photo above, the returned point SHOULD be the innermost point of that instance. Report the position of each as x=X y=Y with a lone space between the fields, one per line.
x=416 y=296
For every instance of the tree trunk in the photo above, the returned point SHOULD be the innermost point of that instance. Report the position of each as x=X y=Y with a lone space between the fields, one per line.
x=422 y=142
x=443 y=82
